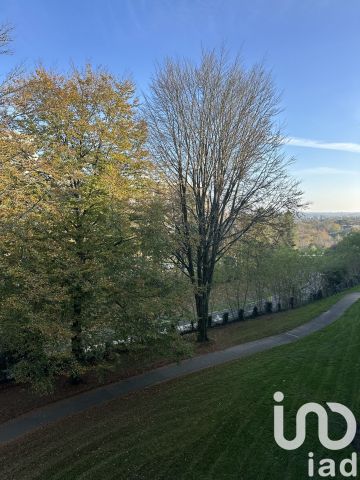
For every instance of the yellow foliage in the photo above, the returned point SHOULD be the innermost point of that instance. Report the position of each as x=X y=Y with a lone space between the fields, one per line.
x=76 y=132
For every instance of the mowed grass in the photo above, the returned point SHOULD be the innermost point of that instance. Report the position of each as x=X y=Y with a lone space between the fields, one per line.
x=217 y=424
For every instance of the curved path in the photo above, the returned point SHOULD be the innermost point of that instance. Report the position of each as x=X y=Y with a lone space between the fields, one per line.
x=35 y=419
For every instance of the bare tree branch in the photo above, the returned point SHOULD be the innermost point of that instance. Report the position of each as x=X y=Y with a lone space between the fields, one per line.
x=5 y=38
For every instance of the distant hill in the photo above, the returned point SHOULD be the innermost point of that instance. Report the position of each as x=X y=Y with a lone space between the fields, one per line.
x=324 y=229
x=336 y=215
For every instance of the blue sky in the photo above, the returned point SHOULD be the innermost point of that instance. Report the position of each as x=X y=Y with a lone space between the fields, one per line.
x=311 y=46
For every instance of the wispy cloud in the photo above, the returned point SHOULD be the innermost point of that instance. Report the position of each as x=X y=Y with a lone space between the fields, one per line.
x=340 y=146
x=326 y=171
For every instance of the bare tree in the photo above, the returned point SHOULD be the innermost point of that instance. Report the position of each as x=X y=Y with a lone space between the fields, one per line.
x=5 y=38
x=214 y=136
x=7 y=80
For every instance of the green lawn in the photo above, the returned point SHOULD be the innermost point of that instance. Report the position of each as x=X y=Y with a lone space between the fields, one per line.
x=212 y=425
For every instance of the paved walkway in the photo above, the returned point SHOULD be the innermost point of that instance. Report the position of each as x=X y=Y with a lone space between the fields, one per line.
x=41 y=417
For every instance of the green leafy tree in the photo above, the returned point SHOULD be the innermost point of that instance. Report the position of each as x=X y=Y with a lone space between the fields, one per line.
x=77 y=272
x=342 y=263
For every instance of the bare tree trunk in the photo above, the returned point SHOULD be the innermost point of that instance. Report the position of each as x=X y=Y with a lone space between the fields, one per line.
x=202 y=312
x=78 y=293
x=76 y=340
